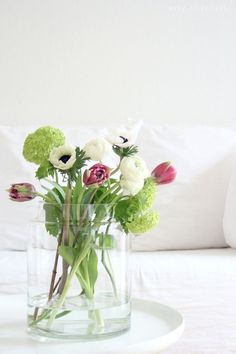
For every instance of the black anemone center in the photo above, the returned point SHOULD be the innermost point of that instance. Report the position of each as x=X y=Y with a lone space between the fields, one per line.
x=125 y=140
x=65 y=158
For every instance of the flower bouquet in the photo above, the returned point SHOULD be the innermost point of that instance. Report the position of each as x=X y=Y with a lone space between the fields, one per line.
x=79 y=276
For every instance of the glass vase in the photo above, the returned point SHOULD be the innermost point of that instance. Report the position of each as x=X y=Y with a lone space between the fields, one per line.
x=78 y=273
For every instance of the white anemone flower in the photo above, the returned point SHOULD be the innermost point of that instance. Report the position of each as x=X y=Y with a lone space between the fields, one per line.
x=97 y=149
x=63 y=157
x=131 y=187
x=124 y=136
x=133 y=168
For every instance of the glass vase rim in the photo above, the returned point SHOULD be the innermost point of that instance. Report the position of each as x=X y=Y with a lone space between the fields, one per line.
x=73 y=208
x=40 y=202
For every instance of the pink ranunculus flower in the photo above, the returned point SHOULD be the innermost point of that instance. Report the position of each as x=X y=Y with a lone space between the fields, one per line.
x=97 y=174
x=22 y=192
x=164 y=173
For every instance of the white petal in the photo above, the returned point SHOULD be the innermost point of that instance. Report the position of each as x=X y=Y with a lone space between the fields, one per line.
x=131 y=187
x=124 y=136
x=134 y=168
x=97 y=149
x=60 y=151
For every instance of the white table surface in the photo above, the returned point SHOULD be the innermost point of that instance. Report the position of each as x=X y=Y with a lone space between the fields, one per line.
x=154 y=327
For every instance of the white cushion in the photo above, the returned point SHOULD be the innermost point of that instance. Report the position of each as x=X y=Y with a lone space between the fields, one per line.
x=229 y=222
x=191 y=208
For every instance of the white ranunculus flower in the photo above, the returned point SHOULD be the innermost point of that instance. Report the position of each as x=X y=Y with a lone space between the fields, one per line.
x=63 y=157
x=133 y=168
x=131 y=187
x=97 y=149
x=124 y=136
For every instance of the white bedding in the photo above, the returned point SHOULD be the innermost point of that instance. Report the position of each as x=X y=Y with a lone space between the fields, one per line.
x=201 y=284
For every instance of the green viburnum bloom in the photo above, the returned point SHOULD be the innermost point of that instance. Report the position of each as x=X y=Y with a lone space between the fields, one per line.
x=38 y=145
x=144 y=199
x=143 y=223
x=146 y=196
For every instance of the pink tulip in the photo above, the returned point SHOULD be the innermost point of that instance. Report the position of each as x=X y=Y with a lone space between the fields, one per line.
x=97 y=174
x=164 y=173
x=22 y=192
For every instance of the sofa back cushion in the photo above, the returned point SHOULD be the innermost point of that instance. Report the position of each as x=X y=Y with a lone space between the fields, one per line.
x=191 y=209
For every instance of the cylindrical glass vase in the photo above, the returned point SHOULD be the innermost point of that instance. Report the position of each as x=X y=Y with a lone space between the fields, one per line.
x=78 y=273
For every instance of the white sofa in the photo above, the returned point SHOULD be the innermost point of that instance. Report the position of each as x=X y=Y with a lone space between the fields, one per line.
x=187 y=261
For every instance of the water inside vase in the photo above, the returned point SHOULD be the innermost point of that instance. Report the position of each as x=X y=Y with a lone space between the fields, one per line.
x=79 y=318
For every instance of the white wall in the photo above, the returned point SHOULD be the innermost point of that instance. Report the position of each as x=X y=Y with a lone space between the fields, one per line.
x=166 y=61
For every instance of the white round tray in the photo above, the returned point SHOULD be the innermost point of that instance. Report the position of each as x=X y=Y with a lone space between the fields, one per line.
x=154 y=327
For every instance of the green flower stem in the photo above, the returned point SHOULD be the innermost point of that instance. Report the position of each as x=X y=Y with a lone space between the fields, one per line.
x=65 y=237
x=84 y=284
x=67 y=285
x=99 y=318
x=56 y=176
x=107 y=267
x=47 y=199
x=85 y=281
x=52 y=287
x=114 y=189
x=109 y=272
x=78 y=205
x=44 y=315
x=97 y=223
x=96 y=316
x=115 y=199
x=54 y=271
x=84 y=214
x=117 y=168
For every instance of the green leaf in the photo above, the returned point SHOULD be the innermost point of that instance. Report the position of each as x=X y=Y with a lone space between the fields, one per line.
x=128 y=151
x=77 y=191
x=101 y=213
x=87 y=196
x=68 y=253
x=74 y=172
x=106 y=241
x=63 y=313
x=53 y=213
x=82 y=276
x=92 y=263
x=53 y=195
x=86 y=208
x=106 y=194
x=122 y=210
x=57 y=186
x=46 y=169
x=87 y=272
x=127 y=210
x=81 y=158
x=53 y=218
